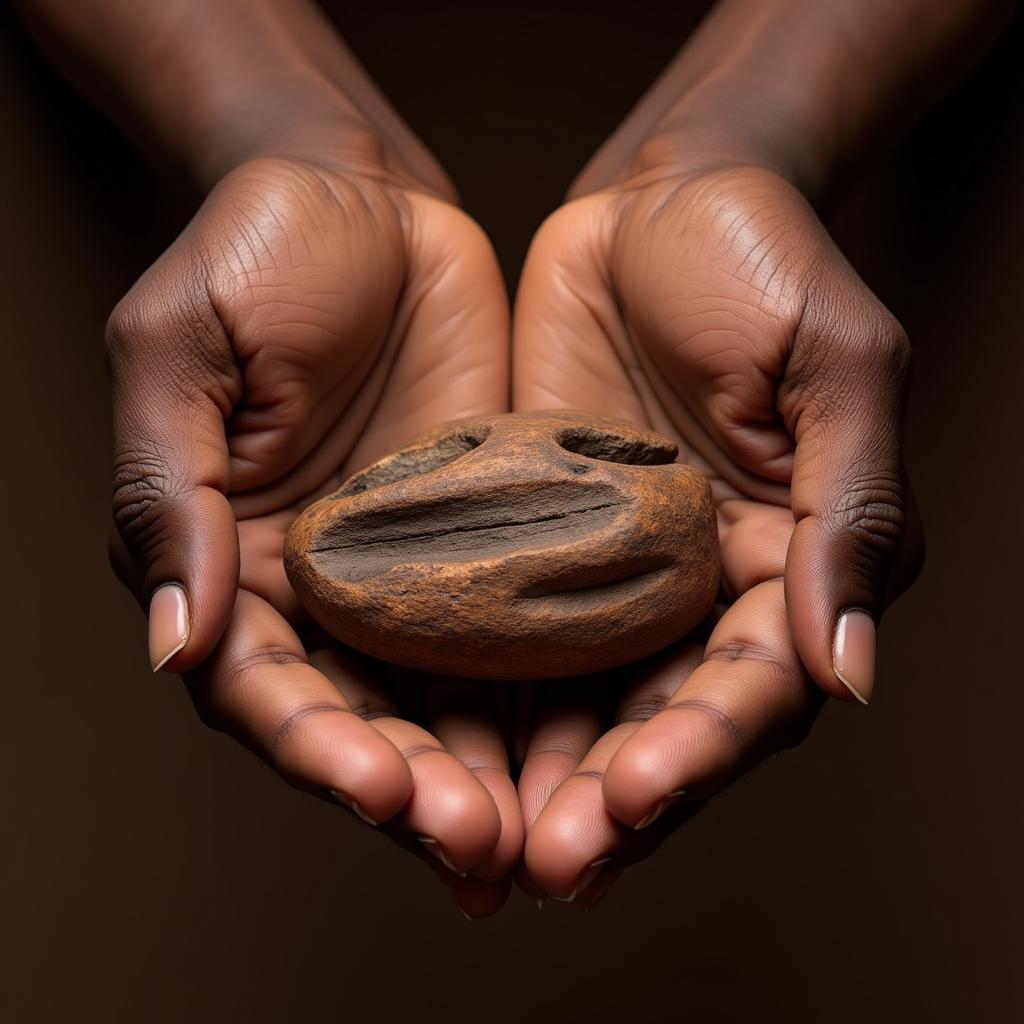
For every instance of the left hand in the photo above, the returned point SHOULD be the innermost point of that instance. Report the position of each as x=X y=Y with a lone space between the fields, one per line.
x=307 y=321
x=711 y=305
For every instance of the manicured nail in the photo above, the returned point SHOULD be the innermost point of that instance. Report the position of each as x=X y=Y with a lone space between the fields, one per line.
x=592 y=870
x=345 y=800
x=438 y=851
x=853 y=653
x=662 y=805
x=168 y=623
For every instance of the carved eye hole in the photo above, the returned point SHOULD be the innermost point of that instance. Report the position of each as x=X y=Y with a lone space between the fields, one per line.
x=638 y=450
x=416 y=460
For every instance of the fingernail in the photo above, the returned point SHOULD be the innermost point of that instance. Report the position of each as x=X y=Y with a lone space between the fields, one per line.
x=168 y=623
x=663 y=805
x=585 y=880
x=438 y=851
x=346 y=801
x=853 y=653
x=540 y=902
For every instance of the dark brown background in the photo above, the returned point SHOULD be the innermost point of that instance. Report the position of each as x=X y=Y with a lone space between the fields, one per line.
x=153 y=871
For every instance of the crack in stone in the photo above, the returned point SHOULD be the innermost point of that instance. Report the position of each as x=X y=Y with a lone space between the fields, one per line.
x=427 y=534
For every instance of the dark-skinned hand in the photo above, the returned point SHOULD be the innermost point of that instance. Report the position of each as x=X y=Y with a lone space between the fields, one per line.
x=712 y=305
x=307 y=321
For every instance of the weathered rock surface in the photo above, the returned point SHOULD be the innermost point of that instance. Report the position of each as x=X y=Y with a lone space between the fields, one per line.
x=522 y=546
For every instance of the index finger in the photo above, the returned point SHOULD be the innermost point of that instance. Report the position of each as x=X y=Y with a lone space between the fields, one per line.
x=749 y=697
x=259 y=686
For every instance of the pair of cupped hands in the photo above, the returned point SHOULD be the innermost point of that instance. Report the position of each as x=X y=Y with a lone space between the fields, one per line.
x=316 y=315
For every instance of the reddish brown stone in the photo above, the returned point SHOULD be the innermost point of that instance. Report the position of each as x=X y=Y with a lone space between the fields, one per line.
x=522 y=546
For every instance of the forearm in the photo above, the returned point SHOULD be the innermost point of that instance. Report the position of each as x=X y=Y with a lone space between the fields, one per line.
x=208 y=85
x=800 y=86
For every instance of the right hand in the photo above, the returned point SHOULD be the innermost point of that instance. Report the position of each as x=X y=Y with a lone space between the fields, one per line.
x=308 y=320
x=709 y=303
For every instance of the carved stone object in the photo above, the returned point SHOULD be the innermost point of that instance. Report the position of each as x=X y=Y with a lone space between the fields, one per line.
x=522 y=546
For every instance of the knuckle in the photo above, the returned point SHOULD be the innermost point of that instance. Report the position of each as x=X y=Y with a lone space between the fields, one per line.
x=786 y=690
x=124 y=325
x=871 y=342
x=885 y=348
x=846 y=343
x=140 y=323
x=898 y=344
x=142 y=494
x=871 y=512
x=177 y=338
x=220 y=692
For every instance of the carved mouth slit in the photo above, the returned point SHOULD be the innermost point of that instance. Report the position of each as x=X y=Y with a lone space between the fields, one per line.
x=461 y=531
x=600 y=586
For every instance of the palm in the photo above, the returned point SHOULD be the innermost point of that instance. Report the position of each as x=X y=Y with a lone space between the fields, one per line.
x=345 y=300
x=674 y=304
x=711 y=277
x=353 y=312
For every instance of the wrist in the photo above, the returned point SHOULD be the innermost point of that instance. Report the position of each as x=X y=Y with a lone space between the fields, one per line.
x=245 y=79
x=212 y=119
x=312 y=121
x=277 y=118
x=733 y=122
x=800 y=87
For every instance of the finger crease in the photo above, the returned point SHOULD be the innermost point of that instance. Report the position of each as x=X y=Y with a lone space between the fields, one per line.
x=266 y=656
x=371 y=712
x=409 y=753
x=738 y=650
x=477 y=766
x=564 y=748
x=642 y=709
x=298 y=715
x=721 y=720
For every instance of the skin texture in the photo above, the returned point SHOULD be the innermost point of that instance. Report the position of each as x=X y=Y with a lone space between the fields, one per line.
x=704 y=352
x=688 y=285
x=329 y=302
x=312 y=317
x=275 y=294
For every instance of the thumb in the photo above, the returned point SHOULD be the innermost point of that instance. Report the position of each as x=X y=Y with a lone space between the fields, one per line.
x=844 y=398
x=173 y=383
